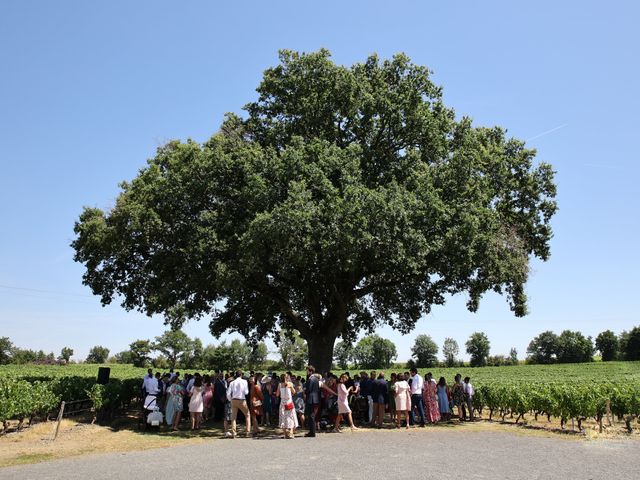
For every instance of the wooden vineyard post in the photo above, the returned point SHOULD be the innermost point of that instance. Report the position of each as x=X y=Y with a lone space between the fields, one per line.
x=60 y=414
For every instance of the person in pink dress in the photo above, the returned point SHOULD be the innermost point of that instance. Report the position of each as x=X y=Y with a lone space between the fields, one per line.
x=343 y=404
x=403 y=400
x=430 y=396
x=196 y=405
x=207 y=397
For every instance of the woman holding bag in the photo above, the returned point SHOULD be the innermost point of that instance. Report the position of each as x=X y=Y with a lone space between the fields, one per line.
x=288 y=418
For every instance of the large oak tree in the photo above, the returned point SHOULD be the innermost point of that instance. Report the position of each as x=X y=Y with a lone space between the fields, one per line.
x=346 y=198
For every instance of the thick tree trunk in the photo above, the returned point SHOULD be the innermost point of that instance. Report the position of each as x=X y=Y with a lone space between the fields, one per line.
x=321 y=351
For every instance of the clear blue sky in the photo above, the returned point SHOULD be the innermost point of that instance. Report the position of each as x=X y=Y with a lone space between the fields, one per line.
x=88 y=90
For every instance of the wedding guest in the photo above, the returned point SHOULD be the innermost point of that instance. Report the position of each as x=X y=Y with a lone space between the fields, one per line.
x=403 y=400
x=343 y=404
x=288 y=420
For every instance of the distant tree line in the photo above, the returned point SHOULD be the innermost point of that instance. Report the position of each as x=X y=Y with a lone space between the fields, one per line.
x=174 y=349
x=568 y=347
x=573 y=347
x=9 y=353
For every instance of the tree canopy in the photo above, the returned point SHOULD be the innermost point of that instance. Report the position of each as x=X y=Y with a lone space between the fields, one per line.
x=343 y=354
x=450 y=350
x=293 y=350
x=608 y=345
x=425 y=352
x=139 y=353
x=630 y=344
x=346 y=198
x=374 y=351
x=97 y=354
x=543 y=348
x=574 y=347
x=478 y=347
x=65 y=354
x=173 y=344
x=6 y=350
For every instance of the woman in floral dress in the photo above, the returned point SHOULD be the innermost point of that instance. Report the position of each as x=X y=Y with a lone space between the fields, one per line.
x=457 y=393
x=173 y=412
x=430 y=396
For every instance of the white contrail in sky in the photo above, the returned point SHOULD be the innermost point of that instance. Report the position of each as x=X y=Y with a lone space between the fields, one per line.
x=547 y=132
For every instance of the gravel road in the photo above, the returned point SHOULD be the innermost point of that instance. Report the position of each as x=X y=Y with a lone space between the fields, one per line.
x=363 y=455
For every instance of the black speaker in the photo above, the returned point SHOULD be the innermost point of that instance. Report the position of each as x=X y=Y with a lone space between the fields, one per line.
x=103 y=375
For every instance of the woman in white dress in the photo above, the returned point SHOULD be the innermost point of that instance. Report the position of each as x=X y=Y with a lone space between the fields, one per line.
x=288 y=417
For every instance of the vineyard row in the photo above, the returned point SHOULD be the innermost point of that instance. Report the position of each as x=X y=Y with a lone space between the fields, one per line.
x=22 y=399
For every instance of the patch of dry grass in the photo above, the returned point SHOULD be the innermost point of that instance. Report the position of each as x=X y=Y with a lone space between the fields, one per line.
x=34 y=444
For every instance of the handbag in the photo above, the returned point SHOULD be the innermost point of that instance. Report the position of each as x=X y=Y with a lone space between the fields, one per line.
x=288 y=406
x=257 y=403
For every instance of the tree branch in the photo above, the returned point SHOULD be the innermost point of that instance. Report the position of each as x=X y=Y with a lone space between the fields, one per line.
x=283 y=304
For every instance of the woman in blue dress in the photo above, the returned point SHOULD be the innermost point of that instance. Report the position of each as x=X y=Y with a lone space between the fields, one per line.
x=443 y=398
x=173 y=411
x=266 y=403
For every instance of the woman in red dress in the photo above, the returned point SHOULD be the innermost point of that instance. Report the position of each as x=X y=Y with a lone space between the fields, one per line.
x=430 y=396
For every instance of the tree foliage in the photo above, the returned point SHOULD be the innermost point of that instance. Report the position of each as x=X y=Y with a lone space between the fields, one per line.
x=140 y=353
x=450 y=351
x=478 y=347
x=630 y=344
x=124 y=357
x=343 y=354
x=374 y=351
x=425 y=351
x=174 y=345
x=293 y=350
x=65 y=354
x=257 y=355
x=6 y=350
x=97 y=354
x=231 y=356
x=194 y=357
x=349 y=198
x=608 y=345
x=513 y=356
x=543 y=348
x=574 y=347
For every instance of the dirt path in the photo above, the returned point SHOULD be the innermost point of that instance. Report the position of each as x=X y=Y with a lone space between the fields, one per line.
x=416 y=454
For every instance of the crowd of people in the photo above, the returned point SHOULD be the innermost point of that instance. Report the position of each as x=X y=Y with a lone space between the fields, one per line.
x=317 y=401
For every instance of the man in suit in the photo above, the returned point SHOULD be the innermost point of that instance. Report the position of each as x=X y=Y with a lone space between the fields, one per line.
x=312 y=399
